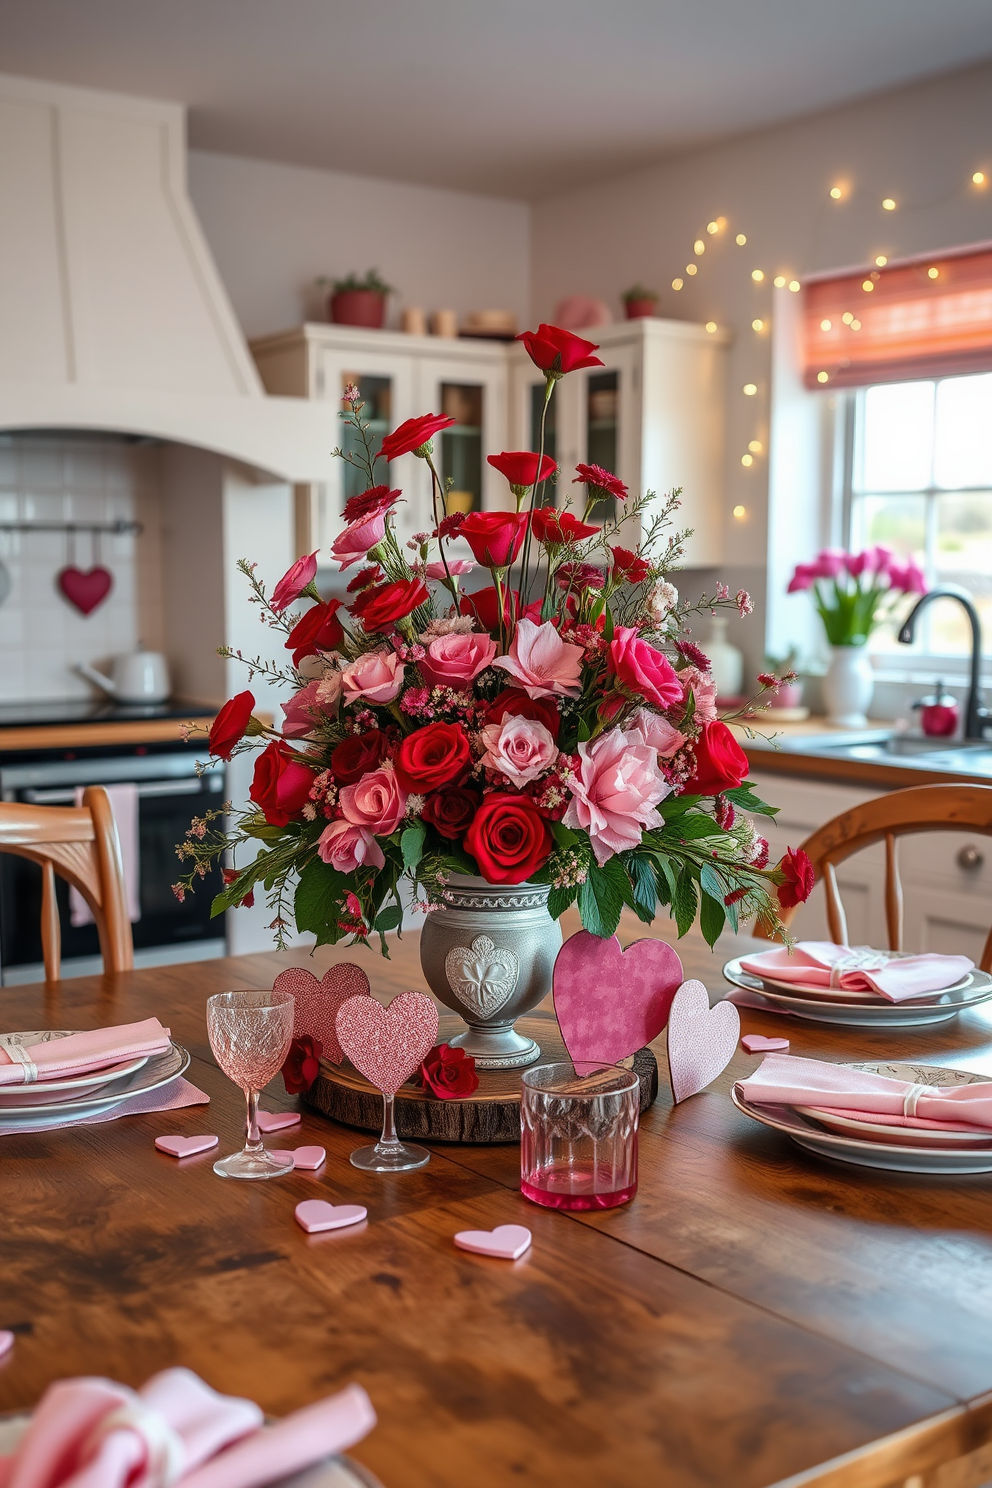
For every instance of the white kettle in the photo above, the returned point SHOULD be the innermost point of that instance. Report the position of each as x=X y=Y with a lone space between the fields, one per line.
x=137 y=677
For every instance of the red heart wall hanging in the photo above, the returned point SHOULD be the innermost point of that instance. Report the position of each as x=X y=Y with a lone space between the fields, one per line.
x=85 y=588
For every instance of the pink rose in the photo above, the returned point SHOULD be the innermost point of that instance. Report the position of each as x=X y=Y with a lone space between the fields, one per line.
x=375 y=675
x=304 y=711
x=543 y=664
x=703 y=689
x=346 y=847
x=520 y=748
x=457 y=567
x=656 y=731
x=456 y=660
x=377 y=801
x=642 y=669
x=615 y=792
x=294 y=581
x=355 y=541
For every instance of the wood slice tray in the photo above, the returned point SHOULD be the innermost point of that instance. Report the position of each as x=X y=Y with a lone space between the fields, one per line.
x=489 y=1116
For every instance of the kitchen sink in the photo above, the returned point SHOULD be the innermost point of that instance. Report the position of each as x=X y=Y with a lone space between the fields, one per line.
x=952 y=756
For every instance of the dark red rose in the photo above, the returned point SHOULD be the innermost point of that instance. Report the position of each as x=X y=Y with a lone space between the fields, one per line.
x=433 y=756
x=231 y=875
x=318 y=630
x=371 y=503
x=494 y=537
x=281 y=783
x=601 y=481
x=521 y=468
x=356 y=755
x=302 y=1064
x=513 y=702
x=798 y=878
x=721 y=763
x=629 y=566
x=555 y=527
x=230 y=725
x=509 y=838
x=484 y=605
x=413 y=435
x=450 y=811
x=558 y=351
x=385 y=604
x=365 y=578
x=449 y=1073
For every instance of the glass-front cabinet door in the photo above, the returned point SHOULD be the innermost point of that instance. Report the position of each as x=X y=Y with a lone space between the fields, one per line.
x=469 y=387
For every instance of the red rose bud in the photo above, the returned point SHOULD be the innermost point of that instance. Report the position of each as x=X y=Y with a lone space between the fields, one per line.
x=494 y=537
x=601 y=481
x=553 y=528
x=556 y=351
x=522 y=469
x=231 y=875
x=449 y=1073
x=413 y=435
x=371 y=503
x=509 y=838
x=317 y=630
x=302 y=1064
x=385 y=604
x=433 y=756
x=721 y=763
x=357 y=755
x=798 y=878
x=281 y=783
x=450 y=811
x=294 y=582
x=231 y=725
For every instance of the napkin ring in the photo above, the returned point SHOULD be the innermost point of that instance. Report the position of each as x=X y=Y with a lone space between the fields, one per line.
x=20 y=1055
x=911 y=1099
x=166 y=1452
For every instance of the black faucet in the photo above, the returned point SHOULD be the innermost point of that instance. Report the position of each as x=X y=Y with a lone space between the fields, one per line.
x=976 y=716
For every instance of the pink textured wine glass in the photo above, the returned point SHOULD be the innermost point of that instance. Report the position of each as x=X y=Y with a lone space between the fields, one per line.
x=250 y=1033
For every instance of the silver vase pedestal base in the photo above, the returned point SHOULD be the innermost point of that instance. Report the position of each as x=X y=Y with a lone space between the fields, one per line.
x=497 y=1048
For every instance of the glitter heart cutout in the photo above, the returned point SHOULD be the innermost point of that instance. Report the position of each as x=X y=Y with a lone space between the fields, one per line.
x=701 y=1040
x=386 y=1044
x=317 y=1003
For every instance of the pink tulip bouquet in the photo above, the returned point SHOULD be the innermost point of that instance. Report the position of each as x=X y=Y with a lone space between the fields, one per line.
x=554 y=723
x=854 y=592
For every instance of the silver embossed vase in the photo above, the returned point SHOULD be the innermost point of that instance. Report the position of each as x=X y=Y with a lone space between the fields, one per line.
x=488 y=953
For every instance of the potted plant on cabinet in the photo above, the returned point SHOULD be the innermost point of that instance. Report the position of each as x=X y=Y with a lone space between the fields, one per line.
x=639 y=302
x=358 y=301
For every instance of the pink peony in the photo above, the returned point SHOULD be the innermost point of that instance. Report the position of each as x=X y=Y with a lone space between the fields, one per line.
x=377 y=801
x=457 y=567
x=346 y=847
x=615 y=792
x=542 y=663
x=456 y=660
x=656 y=731
x=294 y=581
x=303 y=711
x=642 y=669
x=703 y=689
x=520 y=748
x=375 y=675
x=355 y=541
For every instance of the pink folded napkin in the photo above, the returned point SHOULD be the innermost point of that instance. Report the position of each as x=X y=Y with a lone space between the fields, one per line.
x=93 y=1433
x=172 y=1097
x=820 y=963
x=786 y=1080
x=81 y=1053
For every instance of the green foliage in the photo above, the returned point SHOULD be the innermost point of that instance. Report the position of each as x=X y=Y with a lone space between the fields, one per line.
x=371 y=280
x=712 y=916
x=744 y=797
x=412 y=846
x=603 y=895
x=318 y=899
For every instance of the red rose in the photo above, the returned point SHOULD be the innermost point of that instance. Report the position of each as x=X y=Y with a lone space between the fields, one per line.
x=555 y=527
x=318 y=630
x=513 y=702
x=558 y=351
x=302 y=1064
x=644 y=670
x=433 y=756
x=598 y=479
x=387 y=603
x=281 y=783
x=483 y=604
x=371 y=503
x=450 y=811
x=294 y=581
x=629 y=566
x=356 y=755
x=365 y=578
x=509 y=838
x=494 y=537
x=449 y=1072
x=230 y=725
x=521 y=468
x=413 y=435
x=798 y=878
x=721 y=763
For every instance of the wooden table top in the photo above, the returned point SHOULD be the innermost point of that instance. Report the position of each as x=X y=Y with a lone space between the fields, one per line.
x=754 y=1312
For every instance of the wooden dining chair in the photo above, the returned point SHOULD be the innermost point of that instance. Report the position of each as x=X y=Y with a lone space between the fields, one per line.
x=80 y=844
x=921 y=808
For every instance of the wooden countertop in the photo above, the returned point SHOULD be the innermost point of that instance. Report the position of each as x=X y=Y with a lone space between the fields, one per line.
x=87 y=735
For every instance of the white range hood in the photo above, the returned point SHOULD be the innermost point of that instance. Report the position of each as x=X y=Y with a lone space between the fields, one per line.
x=112 y=313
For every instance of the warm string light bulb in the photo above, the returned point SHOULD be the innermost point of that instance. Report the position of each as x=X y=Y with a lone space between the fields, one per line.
x=740 y=512
x=691 y=269
x=757 y=275
x=979 y=178
x=825 y=325
x=712 y=227
x=699 y=246
x=836 y=192
x=749 y=389
x=932 y=273
x=740 y=240
x=881 y=260
x=747 y=460
x=755 y=446
x=795 y=286
x=855 y=325
x=888 y=204
x=677 y=283
x=711 y=326
x=867 y=286
x=847 y=317
x=823 y=376
x=757 y=325
x=779 y=281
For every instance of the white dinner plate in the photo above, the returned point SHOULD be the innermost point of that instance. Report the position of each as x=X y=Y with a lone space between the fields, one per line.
x=936 y=1007
x=157 y=1070
x=45 y=1092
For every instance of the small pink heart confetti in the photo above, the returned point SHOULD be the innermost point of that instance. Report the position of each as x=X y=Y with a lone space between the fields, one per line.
x=701 y=1039
x=270 y=1121
x=314 y=1215
x=506 y=1242
x=386 y=1044
x=757 y=1043
x=597 y=1025
x=302 y=1157
x=6 y=1341
x=317 y=1003
x=185 y=1146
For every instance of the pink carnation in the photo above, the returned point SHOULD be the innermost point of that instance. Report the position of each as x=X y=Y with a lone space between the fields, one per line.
x=520 y=748
x=656 y=731
x=703 y=689
x=304 y=709
x=542 y=663
x=346 y=846
x=615 y=792
x=455 y=660
x=457 y=567
x=375 y=675
x=355 y=541
x=377 y=801
x=294 y=581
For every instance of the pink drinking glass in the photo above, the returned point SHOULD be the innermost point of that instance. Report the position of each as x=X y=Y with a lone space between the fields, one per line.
x=578 y=1136
x=250 y=1034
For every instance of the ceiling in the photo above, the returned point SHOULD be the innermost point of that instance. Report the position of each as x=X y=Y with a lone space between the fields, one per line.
x=517 y=98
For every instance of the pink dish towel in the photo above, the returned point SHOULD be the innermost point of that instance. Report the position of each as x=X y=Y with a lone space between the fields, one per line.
x=124 y=804
x=787 y=1080
x=94 y=1433
x=172 y=1097
x=820 y=963
x=81 y=1053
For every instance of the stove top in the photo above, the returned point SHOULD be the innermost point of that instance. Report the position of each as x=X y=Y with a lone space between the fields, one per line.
x=95 y=710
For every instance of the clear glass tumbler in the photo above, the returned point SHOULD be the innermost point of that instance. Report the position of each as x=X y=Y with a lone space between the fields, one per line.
x=578 y=1136
x=250 y=1033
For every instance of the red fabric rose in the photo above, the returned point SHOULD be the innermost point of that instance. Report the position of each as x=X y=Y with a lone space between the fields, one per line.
x=413 y=434
x=450 y=811
x=721 y=763
x=449 y=1073
x=281 y=783
x=555 y=527
x=598 y=479
x=318 y=630
x=558 y=351
x=642 y=669
x=799 y=877
x=371 y=503
x=521 y=468
x=513 y=702
x=509 y=838
x=483 y=604
x=494 y=537
x=629 y=566
x=356 y=755
x=230 y=725
x=302 y=1064
x=294 y=581
x=433 y=756
x=386 y=603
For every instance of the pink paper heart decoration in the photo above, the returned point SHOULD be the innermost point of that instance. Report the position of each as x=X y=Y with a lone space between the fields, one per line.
x=85 y=588
x=757 y=1043
x=185 y=1146
x=610 y=1002
x=386 y=1044
x=6 y=1341
x=317 y=1003
x=507 y=1242
x=314 y=1215
x=701 y=1040
x=270 y=1121
x=303 y=1157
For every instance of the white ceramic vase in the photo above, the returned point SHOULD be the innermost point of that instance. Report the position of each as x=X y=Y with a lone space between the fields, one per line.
x=726 y=661
x=848 y=686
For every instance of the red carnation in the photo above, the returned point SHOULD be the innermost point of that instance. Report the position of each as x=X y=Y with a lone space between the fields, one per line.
x=370 y=503
x=387 y=603
x=449 y=1073
x=629 y=566
x=450 y=525
x=433 y=756
x=281 y=783
x=302 y=1064
x=580 y=577
x=513 y=702
x=494 y=537
x=721 y=763
x=413 y=435
x=509 y=838
x=555 y=527
x=365 y=578
x=798 y=878
x=230 y=725
x=318 y=630
x=450 y=811
x=356 y=755
x=521 y=468
x=230 y=876
x=600 y=481
x=557 y=351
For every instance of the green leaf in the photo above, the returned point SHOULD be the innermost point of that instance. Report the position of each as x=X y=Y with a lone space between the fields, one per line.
x=389 y=918
x=710 y=881
x=564 y=836
x=644 y=884
x=318 y=897
x=744 y=797
x=608 y=625
x=601 y=898
x=684 y=901
x=561 y=899
x=584 y=731
x=711 y=918
x=665 y=876
x=412 y=846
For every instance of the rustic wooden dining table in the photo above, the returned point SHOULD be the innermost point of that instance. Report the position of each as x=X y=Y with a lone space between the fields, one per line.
x=756 y=1315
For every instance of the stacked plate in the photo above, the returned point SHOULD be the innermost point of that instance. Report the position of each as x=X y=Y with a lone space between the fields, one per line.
x=877 y=1143
x=857 y=1009
x=70 y=1098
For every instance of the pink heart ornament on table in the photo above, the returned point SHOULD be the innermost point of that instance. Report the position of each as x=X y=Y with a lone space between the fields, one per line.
x=701 y=1040
x=506 y=1242
x=386 y=1044
x=6 y=1341
x=610 y=1002
x=85 y=588
x=315 y=1215
x=177 y=1146
x=308 y=1158
x=757 y=1043
x=317 y=1003
x=270 y=1121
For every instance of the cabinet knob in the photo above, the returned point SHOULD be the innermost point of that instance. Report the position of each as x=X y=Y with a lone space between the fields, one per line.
x=969 y=857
